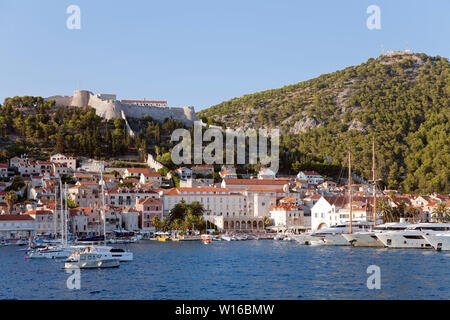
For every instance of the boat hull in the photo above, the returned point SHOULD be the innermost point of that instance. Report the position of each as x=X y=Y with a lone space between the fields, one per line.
x=113 y=263
x=368 y=239
x=403 y=240
x=304 y=239
x=439 y=242
x=336 y=240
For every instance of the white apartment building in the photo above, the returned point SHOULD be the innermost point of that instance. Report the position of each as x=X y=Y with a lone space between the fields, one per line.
x=127 y=196
x=150 y=177
x=287 y=216
x=43 y=220
x=229 y=209
x=311 y=177
x=17 y=161
x=70 y=162
x=16 y=226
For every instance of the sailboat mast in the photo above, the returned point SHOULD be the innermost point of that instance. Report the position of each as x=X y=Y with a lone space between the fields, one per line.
x=61 y=210
x=66 y=216
x=55 y=212
x=374 y=185
x=350 y=189
x=103 y=209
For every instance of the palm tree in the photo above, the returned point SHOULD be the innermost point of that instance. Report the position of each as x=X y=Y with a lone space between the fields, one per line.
x=176 y=224
x=411 y=212
x=440 y=213
x=267 y=222
x=196 y=208
x=11 y=198
x=165 y=225
x=389 y=214
x=179 y=211
x=156 y=222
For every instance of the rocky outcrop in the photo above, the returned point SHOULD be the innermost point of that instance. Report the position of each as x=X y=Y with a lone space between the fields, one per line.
x=305 y=124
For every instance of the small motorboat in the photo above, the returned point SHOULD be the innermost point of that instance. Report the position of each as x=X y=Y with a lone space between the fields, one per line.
x=206 y=238
x=227 y=237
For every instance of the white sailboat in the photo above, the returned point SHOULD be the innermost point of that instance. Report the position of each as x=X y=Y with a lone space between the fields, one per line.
x=105 y=252
x=63 y=250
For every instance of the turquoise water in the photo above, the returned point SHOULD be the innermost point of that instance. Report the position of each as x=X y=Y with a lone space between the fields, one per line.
x=235 y=270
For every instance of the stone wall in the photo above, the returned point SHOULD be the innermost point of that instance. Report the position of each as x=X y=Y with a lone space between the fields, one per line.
x=107 y=107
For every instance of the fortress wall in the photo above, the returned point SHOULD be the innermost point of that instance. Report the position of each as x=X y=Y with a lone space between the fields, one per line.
x=187 y=116
x=80 y=98
x=107 y=107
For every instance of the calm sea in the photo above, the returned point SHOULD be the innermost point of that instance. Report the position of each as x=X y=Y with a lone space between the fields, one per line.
x=235 y=270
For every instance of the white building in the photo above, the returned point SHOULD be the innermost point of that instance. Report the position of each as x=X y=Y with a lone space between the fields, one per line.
x=287 y=216
x=311 y=177
x=43 y=220
x=16 y=161
x=130 y=219
x=330 y=211
x=70 y=162
x=16 y=226
x=184 y=173
x=266 y=173
x=229 y=209
x=150 y=177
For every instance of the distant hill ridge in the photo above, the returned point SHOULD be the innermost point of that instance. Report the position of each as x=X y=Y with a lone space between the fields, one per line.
x=400 y=98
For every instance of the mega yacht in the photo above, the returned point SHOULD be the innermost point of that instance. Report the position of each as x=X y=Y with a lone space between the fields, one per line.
x=369 y=239
x=330 y=236
x=413 y=236
x=440 y=241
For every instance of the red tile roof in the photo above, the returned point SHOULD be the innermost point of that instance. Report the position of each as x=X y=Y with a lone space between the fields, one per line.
x=14 y=217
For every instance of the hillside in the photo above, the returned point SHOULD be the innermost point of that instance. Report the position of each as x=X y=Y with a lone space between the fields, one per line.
x=401 y=98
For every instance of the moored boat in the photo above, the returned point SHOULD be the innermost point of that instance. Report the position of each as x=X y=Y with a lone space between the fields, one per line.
x=440 y=241
x=412 y=237
x=85 y=260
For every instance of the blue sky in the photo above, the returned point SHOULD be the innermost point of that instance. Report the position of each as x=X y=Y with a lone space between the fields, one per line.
x=201 y=53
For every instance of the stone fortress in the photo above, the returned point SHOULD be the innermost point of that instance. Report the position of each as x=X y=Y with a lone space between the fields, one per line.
x=108 y=107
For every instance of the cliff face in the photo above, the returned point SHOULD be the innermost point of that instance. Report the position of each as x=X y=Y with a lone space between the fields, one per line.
x=108 y=107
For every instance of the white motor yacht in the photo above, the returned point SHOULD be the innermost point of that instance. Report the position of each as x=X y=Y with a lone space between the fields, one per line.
x=107 y=252
x=369 y=239
x=331 y=236
x=413 y=236
x=440 y=241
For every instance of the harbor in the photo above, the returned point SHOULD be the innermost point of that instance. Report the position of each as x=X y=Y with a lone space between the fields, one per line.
x=235 y=270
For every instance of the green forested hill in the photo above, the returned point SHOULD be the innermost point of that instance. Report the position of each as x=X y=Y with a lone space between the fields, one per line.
x=401 y=99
